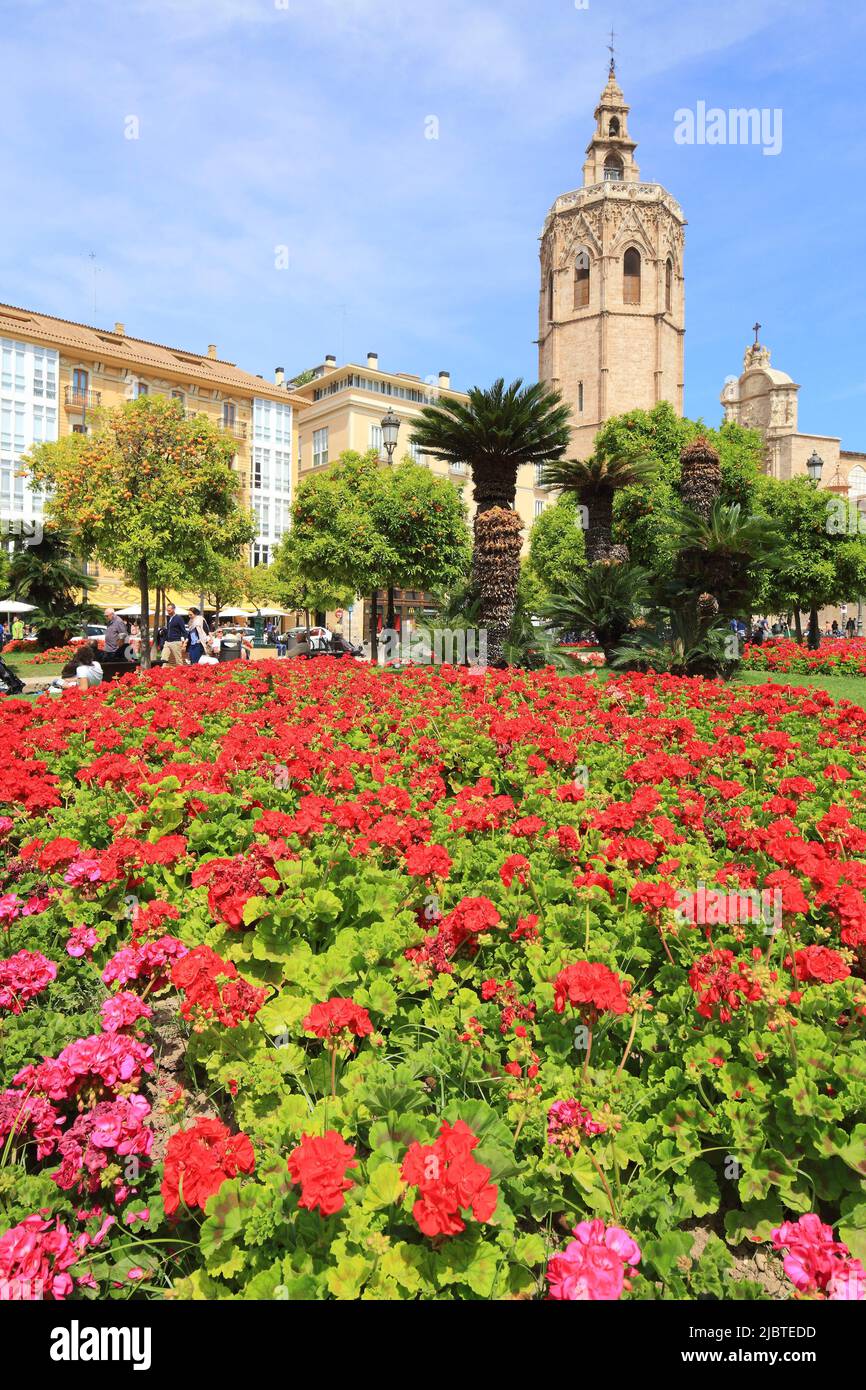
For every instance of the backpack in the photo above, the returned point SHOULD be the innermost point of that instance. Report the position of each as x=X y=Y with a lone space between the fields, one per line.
x=10 y=684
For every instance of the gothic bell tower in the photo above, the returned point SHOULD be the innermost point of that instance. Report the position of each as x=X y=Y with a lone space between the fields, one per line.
x=612 y=301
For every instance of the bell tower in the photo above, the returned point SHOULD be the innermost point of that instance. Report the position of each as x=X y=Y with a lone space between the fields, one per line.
x=612 y=302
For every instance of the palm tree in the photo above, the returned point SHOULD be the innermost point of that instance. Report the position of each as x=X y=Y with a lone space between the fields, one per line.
x=604 y=601
x=50 y=576
x=700 y=476
x=717 y=551
x=495 y=433
x=595 y=481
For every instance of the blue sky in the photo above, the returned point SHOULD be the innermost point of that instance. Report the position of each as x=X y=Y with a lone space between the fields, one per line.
x=301 y=124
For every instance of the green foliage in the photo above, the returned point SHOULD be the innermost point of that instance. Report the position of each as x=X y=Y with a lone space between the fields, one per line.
x=641 y=513
x=359 y=527
x=605 y=600
x=817 y=564
x=557 y=552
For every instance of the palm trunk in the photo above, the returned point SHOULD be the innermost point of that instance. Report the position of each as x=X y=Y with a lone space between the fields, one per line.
x=145 y=615
x=599 y=530
x=497 y=566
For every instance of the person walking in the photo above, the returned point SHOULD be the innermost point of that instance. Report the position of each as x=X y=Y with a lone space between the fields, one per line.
x=175 y=637
x=116 y=636
x=197 y=632
x=135 y=638
x=17 y=630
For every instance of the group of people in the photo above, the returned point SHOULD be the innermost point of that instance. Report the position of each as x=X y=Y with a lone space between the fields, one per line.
x=17 y=631
x=763 y=630
x=190 y=641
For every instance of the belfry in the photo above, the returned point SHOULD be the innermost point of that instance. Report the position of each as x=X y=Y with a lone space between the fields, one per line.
x=612 y=295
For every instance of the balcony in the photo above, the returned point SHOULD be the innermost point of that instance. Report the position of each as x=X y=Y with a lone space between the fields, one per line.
x=74 y=399
x=237 y=428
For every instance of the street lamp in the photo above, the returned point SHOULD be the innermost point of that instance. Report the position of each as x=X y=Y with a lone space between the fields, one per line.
x=390 y=430
x=814 y=467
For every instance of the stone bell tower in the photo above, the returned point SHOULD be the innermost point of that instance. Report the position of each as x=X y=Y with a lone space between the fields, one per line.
x=612 y=302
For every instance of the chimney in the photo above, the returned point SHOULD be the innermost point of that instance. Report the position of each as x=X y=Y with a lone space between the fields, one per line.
x=211 y=349
x=120 y=328
x=444 y=380
x=279 y=376
x=373 y=361
x=330 y=362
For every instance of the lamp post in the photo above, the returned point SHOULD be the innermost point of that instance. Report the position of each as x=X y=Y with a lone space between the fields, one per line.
x=390 y=431
x=814 y=468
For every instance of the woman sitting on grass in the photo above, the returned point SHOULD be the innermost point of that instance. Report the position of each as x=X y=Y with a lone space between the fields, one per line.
x=83 y=670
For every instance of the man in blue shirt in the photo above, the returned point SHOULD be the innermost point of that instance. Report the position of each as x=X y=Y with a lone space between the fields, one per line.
x=175 y=637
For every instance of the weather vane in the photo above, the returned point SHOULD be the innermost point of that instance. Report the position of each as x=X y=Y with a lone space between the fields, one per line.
x=612 y=56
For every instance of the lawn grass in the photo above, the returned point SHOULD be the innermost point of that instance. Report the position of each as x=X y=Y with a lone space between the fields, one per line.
x=851 y=688
x=26 y=668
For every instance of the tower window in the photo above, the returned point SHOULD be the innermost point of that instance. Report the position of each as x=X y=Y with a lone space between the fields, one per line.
x=581 y=280
x=669 y=281
x=550 y=296
x=631 y=277
x=613 y=128
x=580 y=398
x=613 y=169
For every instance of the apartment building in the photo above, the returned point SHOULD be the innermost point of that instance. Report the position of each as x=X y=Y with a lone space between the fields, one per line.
x=54 y=374
x=345 y=406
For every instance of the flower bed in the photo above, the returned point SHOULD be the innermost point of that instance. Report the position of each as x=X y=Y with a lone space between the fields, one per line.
x=835 y=657
x=321 y=981
x=53 y=655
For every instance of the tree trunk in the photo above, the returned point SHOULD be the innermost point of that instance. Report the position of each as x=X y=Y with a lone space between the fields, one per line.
x=145 y=615
x=599 y=530
x=814 y=630
x=390 y=617
x=374 y=638
x=497 y=564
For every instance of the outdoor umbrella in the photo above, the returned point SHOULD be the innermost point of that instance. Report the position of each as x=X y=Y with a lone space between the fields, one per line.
x=235 y=613
x=272 y=613
x=12 y=605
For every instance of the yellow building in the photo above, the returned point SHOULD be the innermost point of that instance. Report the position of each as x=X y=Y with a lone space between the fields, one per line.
x=345 y=409
x=54 y=374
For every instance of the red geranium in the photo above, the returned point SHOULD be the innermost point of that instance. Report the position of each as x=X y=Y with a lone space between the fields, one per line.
x=319 y=1164
x=199 y=1160
x=820 y=963
x=449 y=1180
x=338 y=1017
x=214 y=990
x=591 y=988
x=721 y=986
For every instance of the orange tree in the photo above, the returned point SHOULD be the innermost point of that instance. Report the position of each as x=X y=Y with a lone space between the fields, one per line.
x=150 y=493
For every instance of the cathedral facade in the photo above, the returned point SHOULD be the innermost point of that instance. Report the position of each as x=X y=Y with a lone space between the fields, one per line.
x=764 y=398
x=612 y=300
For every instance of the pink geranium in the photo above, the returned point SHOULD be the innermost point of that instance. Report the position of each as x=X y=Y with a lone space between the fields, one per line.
x=816 y=1263
x=595 y=1265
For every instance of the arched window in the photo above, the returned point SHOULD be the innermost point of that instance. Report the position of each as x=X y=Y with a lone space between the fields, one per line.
x=550 y=296
x=631 y=277
x=613 y=169
x=669 y=284
x=581 y=279
x=613 y=128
